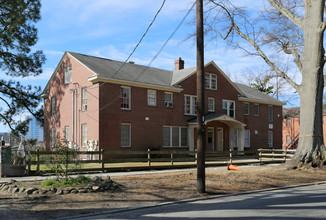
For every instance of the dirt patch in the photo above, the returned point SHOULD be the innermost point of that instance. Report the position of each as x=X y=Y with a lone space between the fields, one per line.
x=151 y=189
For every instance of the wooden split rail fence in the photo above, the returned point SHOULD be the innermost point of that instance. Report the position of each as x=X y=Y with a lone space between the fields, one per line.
x=104 y=161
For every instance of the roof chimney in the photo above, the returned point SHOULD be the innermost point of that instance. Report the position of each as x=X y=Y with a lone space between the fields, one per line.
x=179 y=64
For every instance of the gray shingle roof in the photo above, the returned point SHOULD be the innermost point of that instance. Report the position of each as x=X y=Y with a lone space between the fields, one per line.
x=257 y=96
x=130 y=72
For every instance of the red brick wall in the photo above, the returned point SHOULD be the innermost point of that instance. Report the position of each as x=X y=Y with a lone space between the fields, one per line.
x=63 y=116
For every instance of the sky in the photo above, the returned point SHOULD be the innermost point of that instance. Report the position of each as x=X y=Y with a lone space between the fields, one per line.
x=111 y=29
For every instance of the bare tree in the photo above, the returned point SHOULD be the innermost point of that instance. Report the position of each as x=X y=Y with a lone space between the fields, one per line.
x=292 y=28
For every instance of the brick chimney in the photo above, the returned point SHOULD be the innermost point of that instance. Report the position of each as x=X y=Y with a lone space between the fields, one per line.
x=179 y=64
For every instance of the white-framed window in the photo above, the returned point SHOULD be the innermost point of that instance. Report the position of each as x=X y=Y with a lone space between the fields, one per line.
x=235 y=138
x=84 y=98
x=211 y=105
x=246 y=108
x=67 y=74
x=52 y=137
x=151 y=97
x=125 y=135
x=190 y=103
x=168 y=99
x=270 y=139
x=174 y=136
x=125 y=98
x=84 y=134
x=270 y=113
x=288 y=139
x=210 y=81
x=53 y=105
x=67 y=133
x=256 y=109
x=228 y=108
x=288 y=122
x=246 y=138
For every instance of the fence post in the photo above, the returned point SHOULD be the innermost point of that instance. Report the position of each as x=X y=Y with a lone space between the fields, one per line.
x=230 y=155
x=260 y=155
x=102 y=157
x=29 y=163
x=172 y=156
x=38 y=161
x=285 y=155
x=149 y=157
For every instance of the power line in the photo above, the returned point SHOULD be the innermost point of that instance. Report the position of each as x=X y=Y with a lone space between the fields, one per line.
x=140 y=39
x=173 y=33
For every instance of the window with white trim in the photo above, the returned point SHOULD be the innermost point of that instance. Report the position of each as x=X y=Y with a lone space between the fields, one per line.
x=228 y=108
x=168 y=99
x=125 y=135
x=288 y=139
x=256 y=109
x=246 y=138
x=84 y=134
x=190 y=103
x=175 y=136
x=235 y=138
x=52 y=137
x=67 y=74
x=125 y=98
x=151 y=97
x=53 y=103
x=246 y=108
x=211 y=105
x=67 y=133
x=84 y=98
x=210 y=81
x=288 y=122
x=270 y=113
x=270 y=139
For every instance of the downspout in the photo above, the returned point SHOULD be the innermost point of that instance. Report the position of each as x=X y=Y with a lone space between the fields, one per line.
x=73 y=117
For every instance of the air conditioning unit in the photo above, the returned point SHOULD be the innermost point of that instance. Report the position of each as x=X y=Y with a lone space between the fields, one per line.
x=168 y=104
x=84 y=107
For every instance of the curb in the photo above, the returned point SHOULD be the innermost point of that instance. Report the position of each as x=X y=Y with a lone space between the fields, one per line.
x=190 y=200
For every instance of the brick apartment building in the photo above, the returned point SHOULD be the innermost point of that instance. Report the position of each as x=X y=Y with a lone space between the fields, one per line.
x=291 y=127
x=97 y=103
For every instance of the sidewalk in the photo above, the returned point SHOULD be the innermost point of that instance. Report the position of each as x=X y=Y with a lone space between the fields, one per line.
x=114 y=174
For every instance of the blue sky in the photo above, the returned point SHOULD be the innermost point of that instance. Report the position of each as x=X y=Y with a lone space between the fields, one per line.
x=111 y=29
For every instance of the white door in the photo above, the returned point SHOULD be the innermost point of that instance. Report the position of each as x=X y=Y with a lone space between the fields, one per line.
x=220 y=139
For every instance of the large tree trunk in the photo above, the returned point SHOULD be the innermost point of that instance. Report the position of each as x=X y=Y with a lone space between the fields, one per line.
x=311 y=149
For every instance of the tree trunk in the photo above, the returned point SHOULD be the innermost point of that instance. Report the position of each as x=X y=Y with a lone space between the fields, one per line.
x=311 y=150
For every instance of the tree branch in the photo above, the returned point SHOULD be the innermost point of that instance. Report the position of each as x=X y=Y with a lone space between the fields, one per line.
x=287 y=13
x=8 y=122
x=293 y=51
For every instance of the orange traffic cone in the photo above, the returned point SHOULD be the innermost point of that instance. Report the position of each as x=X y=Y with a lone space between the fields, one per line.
x=232 y=167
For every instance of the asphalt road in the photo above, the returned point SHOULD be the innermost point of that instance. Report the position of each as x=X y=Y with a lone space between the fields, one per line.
x=298 y=203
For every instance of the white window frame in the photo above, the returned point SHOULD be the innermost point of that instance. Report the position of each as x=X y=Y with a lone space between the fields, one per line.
x=190 y=109
x=67 y=74
x=256 y=107
x=168 y=103
x=67 y=133
x=228 y=110
x=270 y=113
x=244 y=108
x=53 y=105
x=52 y=137
x=211 y=104
x=245 y=133
x=270 y=139
x=125 y=100
x=83 y=135
x=288 y=139
x=210 y=81
x=180 y=140
x=84 y=98
x=151 y=97
x=129 y=138
x=288 y=122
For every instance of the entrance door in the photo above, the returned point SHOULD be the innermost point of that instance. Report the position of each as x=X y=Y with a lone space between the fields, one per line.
x=210 y=139
x=220 y=139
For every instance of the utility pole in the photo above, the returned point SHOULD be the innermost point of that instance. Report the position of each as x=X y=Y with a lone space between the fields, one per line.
x=201 y=140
